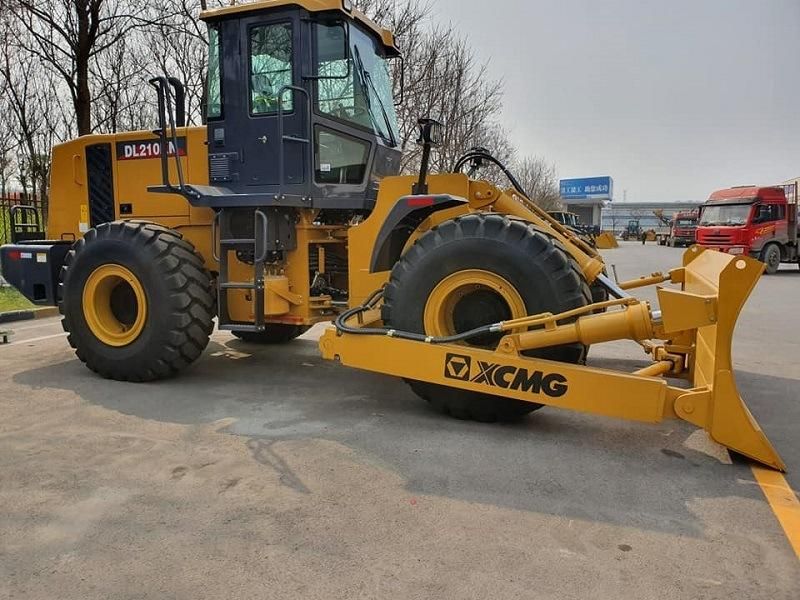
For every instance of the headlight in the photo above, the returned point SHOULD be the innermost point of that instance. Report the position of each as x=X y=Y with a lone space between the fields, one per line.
x=736 y=250
x=430 y=132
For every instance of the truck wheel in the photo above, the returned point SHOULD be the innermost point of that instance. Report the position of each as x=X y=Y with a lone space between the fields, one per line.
x=136 y=300
x=771 y=256
x=274 y=333
x=480 y=269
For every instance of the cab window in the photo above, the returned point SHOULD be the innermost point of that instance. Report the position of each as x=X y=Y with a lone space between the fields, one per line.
x=270 y=67
x=336 y=95
x=339 y=158
x=767 y=212
x=214 y=83
x=355 y=89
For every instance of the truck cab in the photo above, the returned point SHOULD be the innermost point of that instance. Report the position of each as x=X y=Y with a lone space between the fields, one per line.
x=682 y=230
x=757 y=221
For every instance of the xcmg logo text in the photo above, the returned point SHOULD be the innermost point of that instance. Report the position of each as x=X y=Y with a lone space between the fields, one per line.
x=459 y=366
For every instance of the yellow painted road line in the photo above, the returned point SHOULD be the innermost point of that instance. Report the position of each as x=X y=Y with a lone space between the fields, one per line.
x=783 y=501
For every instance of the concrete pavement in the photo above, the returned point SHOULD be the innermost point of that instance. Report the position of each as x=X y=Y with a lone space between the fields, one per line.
x=267 y=472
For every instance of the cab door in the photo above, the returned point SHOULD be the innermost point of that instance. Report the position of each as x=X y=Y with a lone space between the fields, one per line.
x=769 y=221
x=244 y=134
x=272 y=47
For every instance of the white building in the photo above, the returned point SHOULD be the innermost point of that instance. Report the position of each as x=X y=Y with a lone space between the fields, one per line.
x=617 y=214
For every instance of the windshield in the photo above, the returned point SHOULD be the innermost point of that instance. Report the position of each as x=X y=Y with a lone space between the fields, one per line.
x=731 y=215
x=684 y=222
x=359 y=92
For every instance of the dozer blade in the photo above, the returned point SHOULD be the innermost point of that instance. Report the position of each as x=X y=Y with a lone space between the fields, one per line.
x=714 y=402
x=606 y=241
x=697 y=323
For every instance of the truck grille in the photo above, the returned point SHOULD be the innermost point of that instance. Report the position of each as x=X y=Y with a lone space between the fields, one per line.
x=715 y=238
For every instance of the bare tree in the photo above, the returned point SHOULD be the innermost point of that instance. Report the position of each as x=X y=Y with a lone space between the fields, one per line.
x=31 y=97
x=119 y=100
x=180 y=47
x=67 y=35
x=442 y=79
x=540 y=180
x=7 y=141
x=81 y=66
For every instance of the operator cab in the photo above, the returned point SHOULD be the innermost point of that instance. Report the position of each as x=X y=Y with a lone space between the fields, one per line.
x=300 y=107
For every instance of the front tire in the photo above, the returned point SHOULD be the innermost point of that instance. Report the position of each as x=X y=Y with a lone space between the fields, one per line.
x=136 y=301
x=479 y=269
x=771 y=256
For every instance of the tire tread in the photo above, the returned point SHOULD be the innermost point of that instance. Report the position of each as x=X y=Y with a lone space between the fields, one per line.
x=190 y=291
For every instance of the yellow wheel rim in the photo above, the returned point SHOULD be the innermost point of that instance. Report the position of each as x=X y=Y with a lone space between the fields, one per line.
x=114 y=305
x=441 y=310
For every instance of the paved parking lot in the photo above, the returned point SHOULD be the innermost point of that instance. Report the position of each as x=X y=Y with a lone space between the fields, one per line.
x=265 y=472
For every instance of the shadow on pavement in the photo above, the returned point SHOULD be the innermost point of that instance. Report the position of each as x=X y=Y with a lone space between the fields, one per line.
x=555 y=461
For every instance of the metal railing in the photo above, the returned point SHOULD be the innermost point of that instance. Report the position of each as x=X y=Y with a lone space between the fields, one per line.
x=33 y=205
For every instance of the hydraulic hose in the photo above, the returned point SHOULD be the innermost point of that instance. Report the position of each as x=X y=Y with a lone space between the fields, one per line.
x=342 y=327
x=483 y=155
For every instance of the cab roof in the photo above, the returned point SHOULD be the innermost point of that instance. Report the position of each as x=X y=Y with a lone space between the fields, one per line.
x=343 y=6
x=744 y=193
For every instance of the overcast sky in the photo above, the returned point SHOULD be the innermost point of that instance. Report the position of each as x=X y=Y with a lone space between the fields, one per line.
x=673 y=99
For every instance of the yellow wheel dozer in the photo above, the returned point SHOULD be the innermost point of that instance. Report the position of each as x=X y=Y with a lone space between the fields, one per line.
x=287 y=208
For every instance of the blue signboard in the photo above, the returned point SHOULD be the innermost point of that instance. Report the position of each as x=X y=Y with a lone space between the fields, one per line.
x=598 y=188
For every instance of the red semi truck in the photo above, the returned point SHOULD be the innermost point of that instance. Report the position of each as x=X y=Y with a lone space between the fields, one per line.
x=757 y=221
x=681 y=233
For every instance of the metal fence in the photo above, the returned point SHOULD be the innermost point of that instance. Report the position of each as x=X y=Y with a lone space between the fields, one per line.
x=5 y=212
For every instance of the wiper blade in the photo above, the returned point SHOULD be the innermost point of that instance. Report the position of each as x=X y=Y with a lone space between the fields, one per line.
x=362 y=76
x=365 y=76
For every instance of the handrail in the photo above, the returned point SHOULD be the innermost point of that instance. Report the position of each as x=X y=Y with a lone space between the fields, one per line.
x=165 y=87
x=282 y=137
x=261 y=216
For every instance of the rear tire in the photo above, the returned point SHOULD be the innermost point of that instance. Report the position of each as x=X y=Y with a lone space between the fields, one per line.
x=771 y=256
x=136 y=301
x=536 y=266
x=275 y=333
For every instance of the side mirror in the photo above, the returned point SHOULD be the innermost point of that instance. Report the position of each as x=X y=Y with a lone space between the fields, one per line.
x=333 y=51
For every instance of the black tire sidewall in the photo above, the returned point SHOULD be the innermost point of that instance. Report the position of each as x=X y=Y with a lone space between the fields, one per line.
x=177 y=288
x=106 y=251
x=532 y=282
x=765 y=254
x=522 y=255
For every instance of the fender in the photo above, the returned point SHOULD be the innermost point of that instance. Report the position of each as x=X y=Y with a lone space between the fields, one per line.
x=404 y=218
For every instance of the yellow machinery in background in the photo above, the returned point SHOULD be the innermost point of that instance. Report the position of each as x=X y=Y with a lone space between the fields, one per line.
x=606 y=240
x=287 y=209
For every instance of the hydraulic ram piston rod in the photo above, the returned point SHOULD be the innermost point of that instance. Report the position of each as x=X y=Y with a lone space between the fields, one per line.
x=634 y=322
